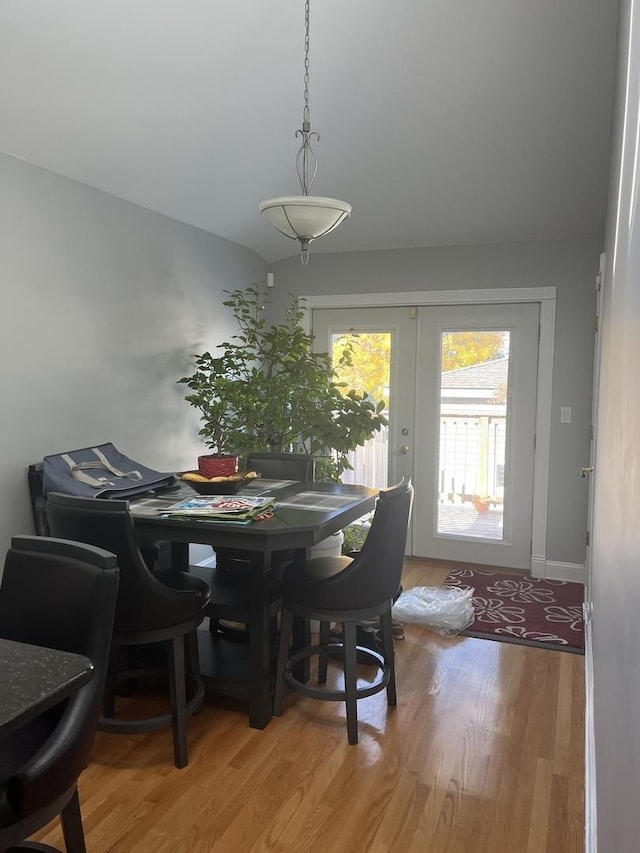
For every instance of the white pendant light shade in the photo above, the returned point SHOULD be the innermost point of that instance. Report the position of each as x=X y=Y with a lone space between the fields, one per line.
x=305 y=217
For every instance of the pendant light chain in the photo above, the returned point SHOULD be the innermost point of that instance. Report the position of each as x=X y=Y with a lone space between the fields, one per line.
x=306 y=159
x=305 y=113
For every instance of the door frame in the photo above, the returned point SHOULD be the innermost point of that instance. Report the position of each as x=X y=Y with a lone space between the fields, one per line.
x=546 y=297
x=600 y=283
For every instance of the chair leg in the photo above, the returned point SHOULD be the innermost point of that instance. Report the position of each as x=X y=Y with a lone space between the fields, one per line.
x=388 y=650
x=286 y=628
x=109 y=698
x=193 y=652
x=119 y=659
x=194 y=663
x=71 y=820
x=323 y=657
x=350 y=679
x=178 y=693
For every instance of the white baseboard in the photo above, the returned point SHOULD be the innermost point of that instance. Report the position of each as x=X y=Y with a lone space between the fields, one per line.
x=590 y=810
x=573 y=572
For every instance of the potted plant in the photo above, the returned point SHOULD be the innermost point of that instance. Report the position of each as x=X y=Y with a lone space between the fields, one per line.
x=267 y=389
x=481 y=503
x=220 y=412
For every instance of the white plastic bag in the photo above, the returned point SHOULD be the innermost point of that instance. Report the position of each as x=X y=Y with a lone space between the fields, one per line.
x=449 y=611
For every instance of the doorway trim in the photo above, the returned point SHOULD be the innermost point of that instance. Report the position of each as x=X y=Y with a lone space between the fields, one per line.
x=546 y=297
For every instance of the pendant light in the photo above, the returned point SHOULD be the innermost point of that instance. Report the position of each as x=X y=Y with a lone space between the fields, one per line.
x=305 y=217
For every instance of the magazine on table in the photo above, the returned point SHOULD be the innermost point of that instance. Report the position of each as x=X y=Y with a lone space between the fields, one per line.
x=223 y=507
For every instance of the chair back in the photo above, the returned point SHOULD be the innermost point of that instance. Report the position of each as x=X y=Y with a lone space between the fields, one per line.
x=282 y=466
x=374 y=575
x=145 y=603
x=60 y=595
x=38 y=500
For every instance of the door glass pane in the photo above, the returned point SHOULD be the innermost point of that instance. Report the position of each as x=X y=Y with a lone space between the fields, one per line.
x=369 y=371
x=474 y=393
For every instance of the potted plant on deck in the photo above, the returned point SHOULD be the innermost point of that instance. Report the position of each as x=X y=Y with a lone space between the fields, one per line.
x=267 y=389
x=481 y=503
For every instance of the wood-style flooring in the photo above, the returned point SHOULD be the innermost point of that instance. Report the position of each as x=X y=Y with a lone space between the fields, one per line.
x=483 y=754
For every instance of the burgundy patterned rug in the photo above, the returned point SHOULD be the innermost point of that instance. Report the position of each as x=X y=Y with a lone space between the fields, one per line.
x=517 y=608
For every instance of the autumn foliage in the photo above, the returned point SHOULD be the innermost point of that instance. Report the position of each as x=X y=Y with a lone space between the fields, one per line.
x=462 y=349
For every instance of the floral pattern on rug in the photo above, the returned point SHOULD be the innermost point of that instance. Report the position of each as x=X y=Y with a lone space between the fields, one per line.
x=518 y=608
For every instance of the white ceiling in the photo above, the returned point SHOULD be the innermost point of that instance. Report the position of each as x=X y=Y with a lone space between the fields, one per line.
x=441 y=122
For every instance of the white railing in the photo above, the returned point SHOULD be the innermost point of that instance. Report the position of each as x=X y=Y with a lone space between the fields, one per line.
x=370 y=462
x=472 y=458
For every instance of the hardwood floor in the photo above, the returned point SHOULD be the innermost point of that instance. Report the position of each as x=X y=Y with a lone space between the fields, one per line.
x=483 y=754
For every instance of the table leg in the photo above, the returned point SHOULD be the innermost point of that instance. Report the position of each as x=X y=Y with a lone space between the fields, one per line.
x=180 y=556
x=260 y=659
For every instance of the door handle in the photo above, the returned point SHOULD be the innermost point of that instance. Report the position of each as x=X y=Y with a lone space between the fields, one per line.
x=585 y=471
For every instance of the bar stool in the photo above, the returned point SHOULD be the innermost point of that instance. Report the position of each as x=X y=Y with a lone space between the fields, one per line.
x=348 y=590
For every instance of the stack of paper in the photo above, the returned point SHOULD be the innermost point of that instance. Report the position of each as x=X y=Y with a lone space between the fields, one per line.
x=223 y=507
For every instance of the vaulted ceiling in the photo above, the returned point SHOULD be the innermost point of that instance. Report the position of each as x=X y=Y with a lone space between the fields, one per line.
x=441 y=122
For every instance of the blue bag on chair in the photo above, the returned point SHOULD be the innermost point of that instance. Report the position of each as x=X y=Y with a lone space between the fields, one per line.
x=99 y=472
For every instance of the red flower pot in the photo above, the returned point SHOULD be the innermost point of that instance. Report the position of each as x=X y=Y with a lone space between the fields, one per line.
x=480 y=504
x=217 y=466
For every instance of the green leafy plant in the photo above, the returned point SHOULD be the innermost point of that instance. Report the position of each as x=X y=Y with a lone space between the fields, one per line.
x=355 y=534
x=267 y=389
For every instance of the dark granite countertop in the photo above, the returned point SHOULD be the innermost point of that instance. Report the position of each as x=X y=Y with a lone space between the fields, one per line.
x=33 y=678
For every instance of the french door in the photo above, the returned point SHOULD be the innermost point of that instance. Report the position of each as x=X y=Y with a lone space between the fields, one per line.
x=461 y=401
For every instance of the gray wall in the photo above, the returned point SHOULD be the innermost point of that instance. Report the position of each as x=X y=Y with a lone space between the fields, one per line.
x=569 y=266
x=615 y=587
x=103 y=304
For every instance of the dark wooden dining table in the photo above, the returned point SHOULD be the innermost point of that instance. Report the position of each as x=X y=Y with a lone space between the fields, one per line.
x=305 y=514
x=34 y=679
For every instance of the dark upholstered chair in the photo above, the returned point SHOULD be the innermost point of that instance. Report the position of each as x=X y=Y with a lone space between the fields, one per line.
x=282 y=466
x=346 y=590
x=38 y=500
x=228 y=580
x=152 y=607
x=59 y=595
